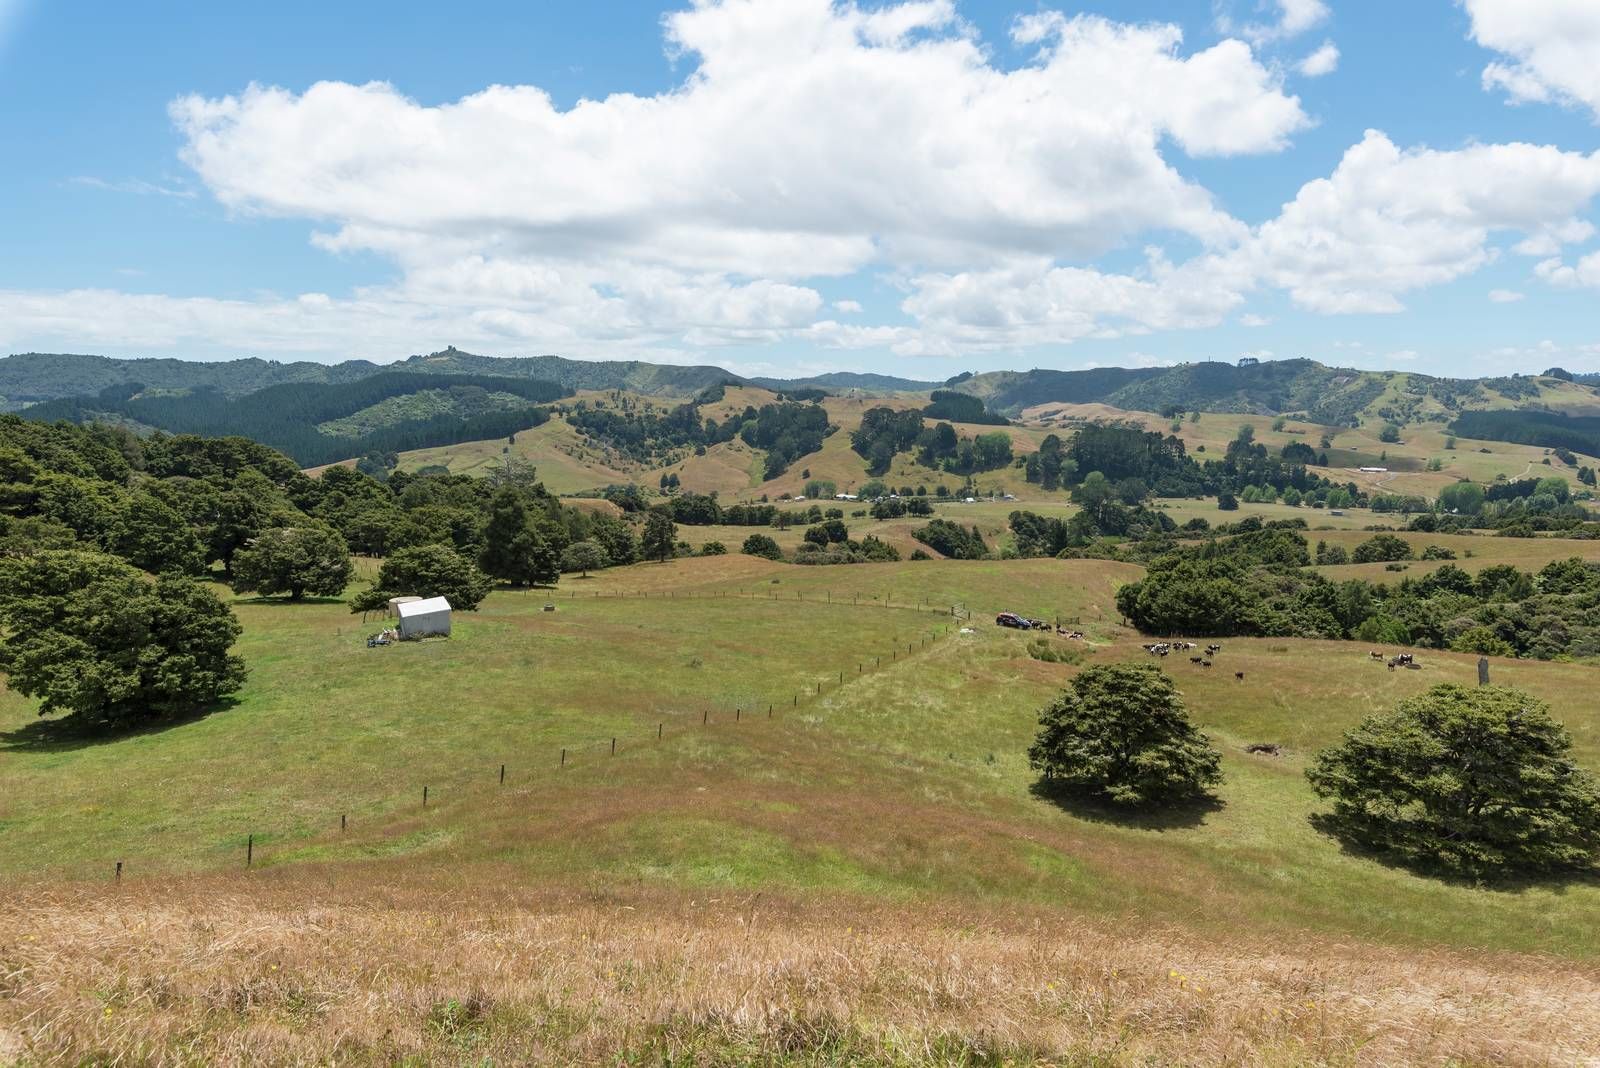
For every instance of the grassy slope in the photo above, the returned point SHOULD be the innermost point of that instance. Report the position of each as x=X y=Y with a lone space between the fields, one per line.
x=1422 y=442
x=864 y=878
x=910 y=780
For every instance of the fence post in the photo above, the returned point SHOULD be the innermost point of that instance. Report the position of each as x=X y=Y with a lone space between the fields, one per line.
x=563 y=757
x=424 y=797
x=659 y=727
x=119 y=871
x=736 y=714
x=769 y=711
x=249 y=850
x=341 y=822
x=502 y=774
x=613 y=747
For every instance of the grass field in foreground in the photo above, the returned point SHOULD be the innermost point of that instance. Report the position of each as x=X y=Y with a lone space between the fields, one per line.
x=886 y=824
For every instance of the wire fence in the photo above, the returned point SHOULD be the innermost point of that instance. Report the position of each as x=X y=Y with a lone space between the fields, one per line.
x=564 y=759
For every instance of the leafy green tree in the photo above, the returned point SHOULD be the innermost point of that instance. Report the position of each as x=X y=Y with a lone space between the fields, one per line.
x=660 y=541
x=515 y=548
x=584 y=556
x=617 y=538
x=1390 y=434
x=153 y=537
x=1120 y=734
x=763 y=546
x=1463 y=498
x=430 y=571
x=713 y=548
x=309 y=558
x=1474 y=782
x=89 y=635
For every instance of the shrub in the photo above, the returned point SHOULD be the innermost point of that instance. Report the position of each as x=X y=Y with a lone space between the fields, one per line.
x=1438 y=552
x=763 y=546
x=713 y=548
x=1120 y=734
x=1476 y=782
x=1382 y=548
x=1050 y=653
x=951 y=541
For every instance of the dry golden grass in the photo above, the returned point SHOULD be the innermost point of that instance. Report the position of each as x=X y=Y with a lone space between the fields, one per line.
x=369 y=966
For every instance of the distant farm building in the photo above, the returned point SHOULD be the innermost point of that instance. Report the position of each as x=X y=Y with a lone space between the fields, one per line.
x=424 y=618
x=1374 y=470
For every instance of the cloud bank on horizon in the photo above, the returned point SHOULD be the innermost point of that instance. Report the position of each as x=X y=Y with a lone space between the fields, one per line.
x=815 y=149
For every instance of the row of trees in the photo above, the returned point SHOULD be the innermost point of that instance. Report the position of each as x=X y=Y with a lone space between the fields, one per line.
x=1476 y=783
x=1256 y=582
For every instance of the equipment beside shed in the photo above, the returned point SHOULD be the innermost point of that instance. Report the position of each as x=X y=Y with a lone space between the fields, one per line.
x=424 y=618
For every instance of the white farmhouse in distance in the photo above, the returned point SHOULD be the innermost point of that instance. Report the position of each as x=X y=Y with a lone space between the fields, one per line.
x=421 y=619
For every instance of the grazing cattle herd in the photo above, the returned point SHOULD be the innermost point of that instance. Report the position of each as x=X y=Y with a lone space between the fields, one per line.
x=1163 y=649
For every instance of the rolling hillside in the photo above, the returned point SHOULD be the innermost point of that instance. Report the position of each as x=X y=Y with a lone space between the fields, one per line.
x=316 y=423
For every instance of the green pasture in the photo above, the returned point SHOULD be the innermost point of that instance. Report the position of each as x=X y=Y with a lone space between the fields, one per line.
x=904 y=777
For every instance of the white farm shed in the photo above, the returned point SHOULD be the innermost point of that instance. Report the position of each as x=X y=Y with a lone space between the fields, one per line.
x=419 y=619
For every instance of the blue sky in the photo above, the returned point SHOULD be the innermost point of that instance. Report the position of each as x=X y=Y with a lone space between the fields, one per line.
x=790 y=186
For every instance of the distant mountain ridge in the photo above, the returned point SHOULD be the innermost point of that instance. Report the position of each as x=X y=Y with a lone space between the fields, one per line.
x=33 y=377
x=849 y=380
x=1330 y=395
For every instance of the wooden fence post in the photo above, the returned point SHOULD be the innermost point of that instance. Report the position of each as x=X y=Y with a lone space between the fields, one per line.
x=659 y=728
x=119 y=871
x=424 y=797
x=563 y=758
x=613 y=747
x=249 y=850
x=502 y=774
x=341 y=822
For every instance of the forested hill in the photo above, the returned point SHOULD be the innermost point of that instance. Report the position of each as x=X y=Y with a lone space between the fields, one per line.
x=1331 y=395
x=31 y=377
x=849 y=380
x=634 y=375
x=319 y=423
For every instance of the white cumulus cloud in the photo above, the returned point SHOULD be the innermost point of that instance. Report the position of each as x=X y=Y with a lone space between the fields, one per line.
x=1324 y=60
x=1289 y=18
x=1388 y=221
x=1552 y=49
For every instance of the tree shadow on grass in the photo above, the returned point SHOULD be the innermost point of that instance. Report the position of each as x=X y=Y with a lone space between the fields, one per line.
x=1558 y=881
x=72 y=732
x=1096 y=810
x=286 y=601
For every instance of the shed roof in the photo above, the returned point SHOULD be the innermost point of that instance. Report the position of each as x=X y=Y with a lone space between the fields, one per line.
x=423 y=608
